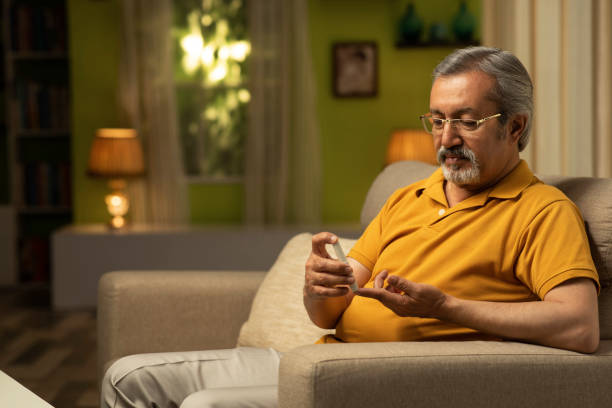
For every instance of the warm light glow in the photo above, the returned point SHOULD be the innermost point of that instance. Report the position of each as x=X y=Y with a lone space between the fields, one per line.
x=117 y=203
x=239 y=50
x=244 y=96
x=222 y=28
x=116 y=133
x=224 y=52
x=208 y=56
x=117 y=222
x=232 y=100
x=190 y=64
x=218 y=73
x=192 y=44
x=210 y=113
x=411 y=144
x=206 y=20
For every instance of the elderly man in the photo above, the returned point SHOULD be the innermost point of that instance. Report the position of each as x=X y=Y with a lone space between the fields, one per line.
x=481 y=249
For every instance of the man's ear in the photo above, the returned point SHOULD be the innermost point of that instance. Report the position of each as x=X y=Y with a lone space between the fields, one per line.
x=517 y=124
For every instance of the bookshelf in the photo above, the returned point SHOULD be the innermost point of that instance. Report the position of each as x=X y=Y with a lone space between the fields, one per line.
x=37 y=128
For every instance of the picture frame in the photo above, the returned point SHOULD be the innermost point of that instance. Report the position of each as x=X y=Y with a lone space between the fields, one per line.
x=355 y=69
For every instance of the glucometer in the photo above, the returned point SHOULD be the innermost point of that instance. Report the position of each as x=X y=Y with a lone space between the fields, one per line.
x=342 y=258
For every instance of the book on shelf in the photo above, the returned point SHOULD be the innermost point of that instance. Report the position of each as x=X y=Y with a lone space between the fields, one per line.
x=38 y=27
x=42 y=105
x=46 y=184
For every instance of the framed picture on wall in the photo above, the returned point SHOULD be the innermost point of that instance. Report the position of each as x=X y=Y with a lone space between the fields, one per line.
x=355 y=69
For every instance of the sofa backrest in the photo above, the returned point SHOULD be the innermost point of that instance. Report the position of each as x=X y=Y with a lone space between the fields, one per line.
x=593 y=196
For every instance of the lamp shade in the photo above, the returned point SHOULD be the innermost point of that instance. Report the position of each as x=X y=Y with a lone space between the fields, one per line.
x=116 y=153
x=411 y=144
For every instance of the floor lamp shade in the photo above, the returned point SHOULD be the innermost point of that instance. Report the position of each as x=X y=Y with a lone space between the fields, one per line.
x=409 y=144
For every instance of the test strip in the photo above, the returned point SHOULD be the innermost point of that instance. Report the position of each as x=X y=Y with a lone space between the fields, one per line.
x=342 y=258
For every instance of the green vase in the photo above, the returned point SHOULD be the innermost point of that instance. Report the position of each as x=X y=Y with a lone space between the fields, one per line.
x=410 y=26
x=464 y=24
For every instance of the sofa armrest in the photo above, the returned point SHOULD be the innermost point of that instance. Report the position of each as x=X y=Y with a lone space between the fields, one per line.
x=155 y=311
x=430 y=374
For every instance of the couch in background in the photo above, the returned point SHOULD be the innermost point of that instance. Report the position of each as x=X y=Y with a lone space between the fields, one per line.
x=141 y=312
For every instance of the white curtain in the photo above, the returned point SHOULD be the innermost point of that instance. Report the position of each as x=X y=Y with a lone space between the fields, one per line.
x=566 y=46
x=282 y=179
x=147 y=103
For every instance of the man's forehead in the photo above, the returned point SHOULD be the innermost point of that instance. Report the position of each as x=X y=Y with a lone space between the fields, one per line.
x=463 y=93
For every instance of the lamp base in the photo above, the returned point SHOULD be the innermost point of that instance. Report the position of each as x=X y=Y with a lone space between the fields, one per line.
x=117 y=204
x=117 y=222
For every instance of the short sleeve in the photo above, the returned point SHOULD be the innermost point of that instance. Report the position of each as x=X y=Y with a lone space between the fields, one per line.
x=554 y=248
x=365 y=250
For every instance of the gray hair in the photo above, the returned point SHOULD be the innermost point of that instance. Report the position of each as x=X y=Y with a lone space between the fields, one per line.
x=513 y=92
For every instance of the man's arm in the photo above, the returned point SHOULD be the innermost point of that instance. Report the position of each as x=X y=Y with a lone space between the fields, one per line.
x=325 y=298
x=566 y=318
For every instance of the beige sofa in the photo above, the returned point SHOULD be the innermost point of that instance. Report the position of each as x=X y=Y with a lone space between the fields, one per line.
x=142 y=311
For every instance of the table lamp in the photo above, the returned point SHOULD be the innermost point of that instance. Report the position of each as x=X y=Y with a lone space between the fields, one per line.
x=411 y=144
x=116 y=154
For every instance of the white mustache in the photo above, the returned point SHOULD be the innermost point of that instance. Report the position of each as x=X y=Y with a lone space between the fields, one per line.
x=459 y=151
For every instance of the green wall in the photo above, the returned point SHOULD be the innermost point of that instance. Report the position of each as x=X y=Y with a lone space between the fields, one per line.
x=354 y=132
x=94 y=54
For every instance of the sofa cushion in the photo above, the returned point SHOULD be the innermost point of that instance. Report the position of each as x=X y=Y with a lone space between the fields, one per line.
x=278 y=318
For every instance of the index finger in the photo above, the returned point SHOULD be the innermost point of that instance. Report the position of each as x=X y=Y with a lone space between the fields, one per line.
x=374 y=293
x=320 y=240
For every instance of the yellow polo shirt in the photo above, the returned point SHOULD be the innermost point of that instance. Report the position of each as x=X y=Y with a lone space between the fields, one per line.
x=510 y=243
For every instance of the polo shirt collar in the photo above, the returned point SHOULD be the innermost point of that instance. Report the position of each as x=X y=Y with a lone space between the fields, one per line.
x=514 y=183
x=510 y=186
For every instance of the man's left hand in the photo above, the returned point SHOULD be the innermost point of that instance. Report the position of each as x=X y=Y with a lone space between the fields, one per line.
x=406 y=298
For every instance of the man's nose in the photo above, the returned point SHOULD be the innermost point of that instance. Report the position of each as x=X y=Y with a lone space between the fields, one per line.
x=450 y=136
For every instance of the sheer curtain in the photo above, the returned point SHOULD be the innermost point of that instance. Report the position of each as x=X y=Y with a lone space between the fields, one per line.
x=147 y=103
x=282 y=179
x=567 y=47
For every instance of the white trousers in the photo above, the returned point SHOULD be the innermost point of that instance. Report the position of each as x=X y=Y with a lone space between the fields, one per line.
x=241 y=377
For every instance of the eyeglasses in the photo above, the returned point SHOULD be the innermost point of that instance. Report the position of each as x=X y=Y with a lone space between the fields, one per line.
x=436 y=125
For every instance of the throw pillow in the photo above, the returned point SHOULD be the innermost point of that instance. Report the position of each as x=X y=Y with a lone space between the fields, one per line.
x=278 y=318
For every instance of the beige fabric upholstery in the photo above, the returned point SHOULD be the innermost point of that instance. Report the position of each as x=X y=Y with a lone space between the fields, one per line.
x=443 y=374
x=154 y=311
x=278 y=318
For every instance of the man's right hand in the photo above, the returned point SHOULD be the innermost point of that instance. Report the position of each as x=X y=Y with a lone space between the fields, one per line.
x=326 y=277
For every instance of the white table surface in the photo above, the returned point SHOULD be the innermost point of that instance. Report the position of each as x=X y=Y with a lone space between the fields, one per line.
x=13 y=394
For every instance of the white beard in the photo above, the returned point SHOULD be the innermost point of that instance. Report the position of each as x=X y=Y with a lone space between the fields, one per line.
x=457 y=175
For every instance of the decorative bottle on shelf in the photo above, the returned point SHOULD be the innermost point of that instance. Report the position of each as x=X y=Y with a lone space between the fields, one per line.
x=410 y=26
x=438 y=33
x=464 y=24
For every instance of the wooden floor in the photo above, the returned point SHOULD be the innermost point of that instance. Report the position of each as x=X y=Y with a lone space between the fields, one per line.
x=51 y=353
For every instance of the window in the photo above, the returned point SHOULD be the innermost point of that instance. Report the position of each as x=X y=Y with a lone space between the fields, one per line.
x=211 y=52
